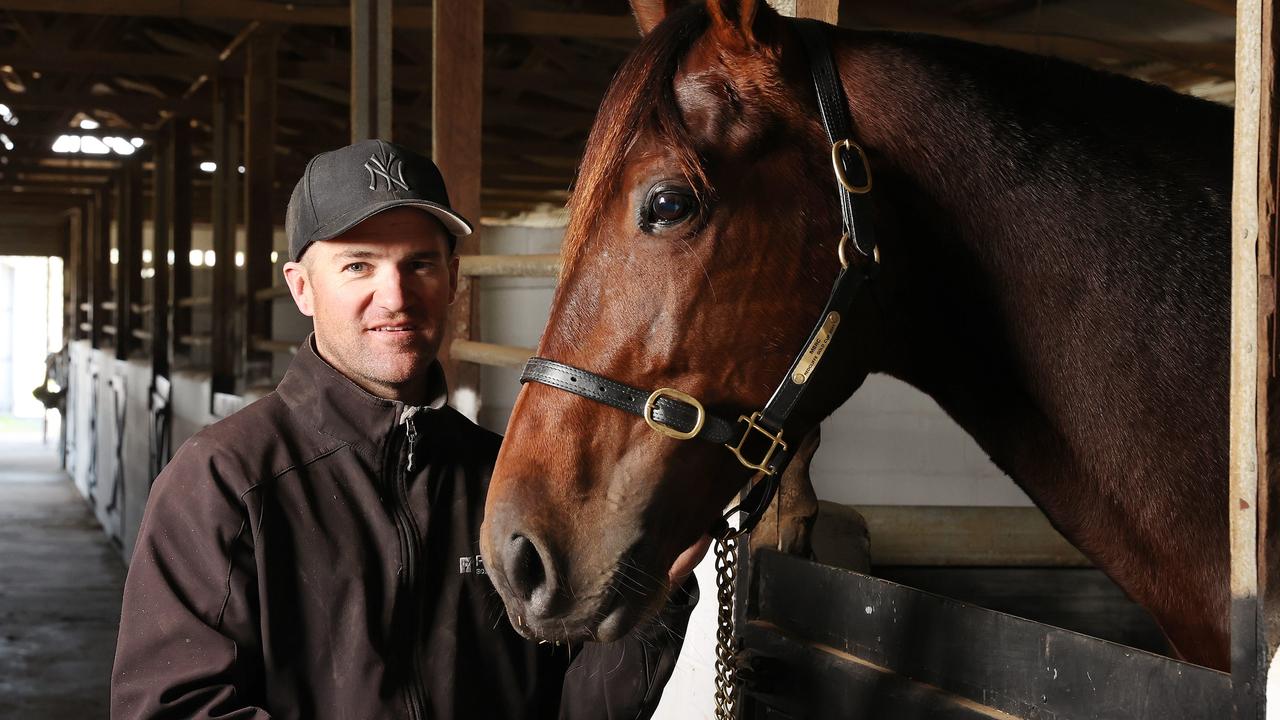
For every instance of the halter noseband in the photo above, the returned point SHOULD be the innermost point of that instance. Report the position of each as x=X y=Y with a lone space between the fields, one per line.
x=680 y=416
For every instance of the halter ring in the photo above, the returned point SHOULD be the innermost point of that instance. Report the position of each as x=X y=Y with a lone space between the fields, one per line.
x=672 y=393
x=842 y=251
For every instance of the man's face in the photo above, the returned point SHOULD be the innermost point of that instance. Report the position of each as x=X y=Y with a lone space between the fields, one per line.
x=379 y=296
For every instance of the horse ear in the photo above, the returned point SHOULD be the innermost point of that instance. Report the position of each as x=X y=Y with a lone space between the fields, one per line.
x=651 y=12
x=742 y=25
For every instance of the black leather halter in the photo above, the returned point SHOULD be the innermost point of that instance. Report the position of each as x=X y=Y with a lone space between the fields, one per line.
x=680 y=416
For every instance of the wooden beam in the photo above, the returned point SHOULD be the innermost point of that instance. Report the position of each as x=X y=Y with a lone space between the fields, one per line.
x=457 y=87
x=371 y=101
x=1255 y=388
x=1268 y=407
x=411 y=17
x=178 y=142
x=161 y=234
x=81 y=265
x=123 y=105
x=259 y=181
x=129 y=246
x=224 y=349
x=100 y=278
x=828 y=11
x=1222 y=7
x=96 y=61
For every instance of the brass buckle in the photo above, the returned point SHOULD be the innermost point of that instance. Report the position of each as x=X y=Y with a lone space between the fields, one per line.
x=652 y=403
x=774 y=440
x=848 y=144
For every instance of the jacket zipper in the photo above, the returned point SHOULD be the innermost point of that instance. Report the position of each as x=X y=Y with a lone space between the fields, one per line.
x=408 y=537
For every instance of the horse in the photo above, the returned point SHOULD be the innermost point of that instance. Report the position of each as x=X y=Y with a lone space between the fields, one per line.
x=1053 y=254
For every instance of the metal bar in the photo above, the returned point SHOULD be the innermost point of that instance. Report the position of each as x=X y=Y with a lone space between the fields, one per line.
x=481 y=353
x=259 y=179
x=109 y=306
x=457 y=94
x=197 y=301
x=143 y=335
x=200 y=339
x=510 y=265
x=371 y=102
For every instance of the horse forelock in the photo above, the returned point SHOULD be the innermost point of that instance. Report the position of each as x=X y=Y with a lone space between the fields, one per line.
x=640 y=100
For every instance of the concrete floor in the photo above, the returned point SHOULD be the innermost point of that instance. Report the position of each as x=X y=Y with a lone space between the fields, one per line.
x=60 y=584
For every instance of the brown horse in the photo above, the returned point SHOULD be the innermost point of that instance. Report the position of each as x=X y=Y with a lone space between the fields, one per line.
x=1054 y=273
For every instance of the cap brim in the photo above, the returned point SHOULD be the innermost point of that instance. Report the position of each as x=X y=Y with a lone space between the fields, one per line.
x=452 y=221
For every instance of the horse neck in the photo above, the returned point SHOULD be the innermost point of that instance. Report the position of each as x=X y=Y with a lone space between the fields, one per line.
x=1055 y=278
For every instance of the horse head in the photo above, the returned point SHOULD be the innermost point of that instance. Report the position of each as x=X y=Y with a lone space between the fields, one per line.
x=702 y=244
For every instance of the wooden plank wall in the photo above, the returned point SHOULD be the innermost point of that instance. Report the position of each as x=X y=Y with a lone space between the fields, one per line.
x=1254 y=382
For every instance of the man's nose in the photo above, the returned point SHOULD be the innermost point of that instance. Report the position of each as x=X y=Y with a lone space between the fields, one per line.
x=393 y=292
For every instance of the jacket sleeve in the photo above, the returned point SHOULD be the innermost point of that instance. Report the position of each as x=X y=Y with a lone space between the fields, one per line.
x=623 y=680
x=187 y=638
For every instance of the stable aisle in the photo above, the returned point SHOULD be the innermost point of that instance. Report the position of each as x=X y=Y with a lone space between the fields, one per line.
x=60 y=584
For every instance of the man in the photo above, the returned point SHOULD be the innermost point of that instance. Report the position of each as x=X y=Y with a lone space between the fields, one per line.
x=315 y=555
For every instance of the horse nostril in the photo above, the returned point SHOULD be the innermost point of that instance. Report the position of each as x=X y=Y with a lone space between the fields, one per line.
x=527 y=571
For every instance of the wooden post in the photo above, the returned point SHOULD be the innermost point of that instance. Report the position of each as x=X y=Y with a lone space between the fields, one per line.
x=72 y=291
x=827 y=11
x=161 y=206
x=457 y=73
x=259 y=181
x=100 y=285
x=223 y=350
x=1255 y=383
x=178 y=139
x=129 y=243
x=371 y=100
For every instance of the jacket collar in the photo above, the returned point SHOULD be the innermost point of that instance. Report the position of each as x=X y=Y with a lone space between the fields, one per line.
x=321 y=396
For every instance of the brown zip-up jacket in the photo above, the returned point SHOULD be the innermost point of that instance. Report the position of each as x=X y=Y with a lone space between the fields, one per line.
x=316 y=555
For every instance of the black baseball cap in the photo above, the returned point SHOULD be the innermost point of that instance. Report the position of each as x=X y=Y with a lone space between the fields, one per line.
x=344 y=187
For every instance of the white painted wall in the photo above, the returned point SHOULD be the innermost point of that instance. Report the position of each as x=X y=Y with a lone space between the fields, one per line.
x=889 y=445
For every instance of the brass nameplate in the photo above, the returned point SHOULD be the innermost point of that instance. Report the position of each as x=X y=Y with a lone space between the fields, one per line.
x=813 y=353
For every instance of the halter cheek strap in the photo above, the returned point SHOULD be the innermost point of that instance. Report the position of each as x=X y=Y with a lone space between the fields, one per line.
x=757 y=439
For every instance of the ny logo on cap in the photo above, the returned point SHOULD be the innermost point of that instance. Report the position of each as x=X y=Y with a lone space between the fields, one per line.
x=388 y=169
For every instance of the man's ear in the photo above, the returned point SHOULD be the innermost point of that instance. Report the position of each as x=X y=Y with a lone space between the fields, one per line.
x=651 y=12
x=299 y=281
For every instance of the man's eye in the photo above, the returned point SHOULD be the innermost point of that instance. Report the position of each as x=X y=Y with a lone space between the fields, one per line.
x=355 y=267
x=669 y=206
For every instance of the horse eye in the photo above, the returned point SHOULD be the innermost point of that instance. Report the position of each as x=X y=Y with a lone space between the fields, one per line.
x=670 y=206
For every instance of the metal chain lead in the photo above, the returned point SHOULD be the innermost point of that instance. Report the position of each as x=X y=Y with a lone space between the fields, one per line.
x=726 y=644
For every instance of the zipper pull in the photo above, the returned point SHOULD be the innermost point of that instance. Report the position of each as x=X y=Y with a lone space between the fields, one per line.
x=413 y=441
